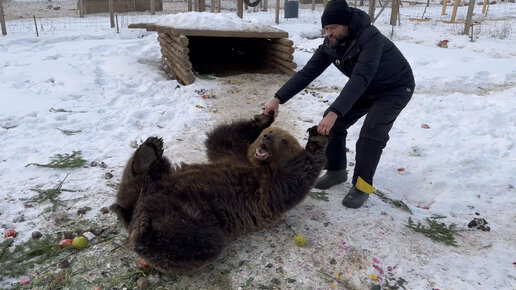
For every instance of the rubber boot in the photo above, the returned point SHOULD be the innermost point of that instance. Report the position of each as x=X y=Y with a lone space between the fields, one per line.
x=331 y=178
x=355 y=198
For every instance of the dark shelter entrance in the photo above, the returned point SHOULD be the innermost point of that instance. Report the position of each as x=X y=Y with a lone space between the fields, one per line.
x=226 y=56
x=190 y=52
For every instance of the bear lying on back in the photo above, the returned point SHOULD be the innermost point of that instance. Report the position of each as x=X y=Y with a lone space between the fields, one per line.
x=180 y=219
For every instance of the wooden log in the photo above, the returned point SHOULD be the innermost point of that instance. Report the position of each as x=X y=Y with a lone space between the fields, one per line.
x=285 y=56
x=183 y=61
x=138 y=25
x=180 y=49
x=281 y=48
x=151 y=27
x=179 y=54
x=184 y=76
x=283 y=41
x=281 y=68
x=179 y=39
x=287 y=64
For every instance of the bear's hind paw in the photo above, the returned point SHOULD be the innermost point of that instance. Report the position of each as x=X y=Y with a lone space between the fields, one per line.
x=150 y=151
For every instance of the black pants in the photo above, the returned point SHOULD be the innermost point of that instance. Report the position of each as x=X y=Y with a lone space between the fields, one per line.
x=382 y=110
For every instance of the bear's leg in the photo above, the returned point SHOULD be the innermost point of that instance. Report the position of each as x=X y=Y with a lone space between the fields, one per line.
x=123 y=214
x=141 y=173
x=234 y=139
x=177 y=248
x=296 y=177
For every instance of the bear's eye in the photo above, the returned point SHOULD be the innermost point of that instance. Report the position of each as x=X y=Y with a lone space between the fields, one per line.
x=284 y=141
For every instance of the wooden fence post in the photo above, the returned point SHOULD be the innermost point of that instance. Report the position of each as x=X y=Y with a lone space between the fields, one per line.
x=394 y=11
x=484 y=7
x=2 y=18
x=454 y=11
x=371 y=8
x=469 y=16
x=152 y=7
x=111 y=13
x=443 y=11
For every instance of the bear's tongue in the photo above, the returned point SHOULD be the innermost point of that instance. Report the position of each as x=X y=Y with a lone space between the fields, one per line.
x=261 y=153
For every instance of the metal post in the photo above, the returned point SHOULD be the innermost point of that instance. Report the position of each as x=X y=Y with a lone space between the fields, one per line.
x=36 y=25
x=469 y=16
x=240 y=8
x=152 y=7
x=81 y=9
x=111 y=13
x=2 y=19
x=277 y=11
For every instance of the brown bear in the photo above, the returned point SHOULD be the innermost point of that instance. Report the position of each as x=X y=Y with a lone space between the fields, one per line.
x=179 y=219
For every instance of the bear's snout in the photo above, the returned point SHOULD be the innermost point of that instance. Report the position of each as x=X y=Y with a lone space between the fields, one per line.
x=268 y=138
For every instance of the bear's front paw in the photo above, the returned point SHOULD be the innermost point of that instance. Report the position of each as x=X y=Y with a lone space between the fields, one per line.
x=316 y=141
x=264 y=121
x=150 y=151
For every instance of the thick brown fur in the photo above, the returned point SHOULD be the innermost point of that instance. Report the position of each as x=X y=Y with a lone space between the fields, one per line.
x=180 y=219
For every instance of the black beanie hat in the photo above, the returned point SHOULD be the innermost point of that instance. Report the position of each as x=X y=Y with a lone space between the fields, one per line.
x=336 y=12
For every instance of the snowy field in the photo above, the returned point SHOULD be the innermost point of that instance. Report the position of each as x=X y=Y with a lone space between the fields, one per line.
x=80 y=86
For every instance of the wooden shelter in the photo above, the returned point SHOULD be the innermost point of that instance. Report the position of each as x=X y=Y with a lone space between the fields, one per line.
x=222 y=52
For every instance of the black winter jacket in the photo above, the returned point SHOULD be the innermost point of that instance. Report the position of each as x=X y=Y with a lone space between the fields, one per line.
x=370 y=60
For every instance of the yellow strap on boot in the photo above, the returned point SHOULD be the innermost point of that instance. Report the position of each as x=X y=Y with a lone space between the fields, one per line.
x=363 y=186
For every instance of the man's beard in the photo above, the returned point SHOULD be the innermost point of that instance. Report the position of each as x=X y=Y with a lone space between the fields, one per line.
x=337 y=40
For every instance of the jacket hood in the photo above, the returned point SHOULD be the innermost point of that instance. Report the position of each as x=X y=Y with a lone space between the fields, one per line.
x=359 y=21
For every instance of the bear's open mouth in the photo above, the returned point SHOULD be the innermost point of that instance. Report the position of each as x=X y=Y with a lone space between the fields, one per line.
x=262 y=153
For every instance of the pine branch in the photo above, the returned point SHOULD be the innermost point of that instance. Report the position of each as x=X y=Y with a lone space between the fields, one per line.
x=322 y=195
x=436 y=231
x=50 y=195
x=397 y=203
x=66 y=160
x=26 y=255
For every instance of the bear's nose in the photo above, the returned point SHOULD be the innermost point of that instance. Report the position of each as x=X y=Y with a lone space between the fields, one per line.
x=267 y=138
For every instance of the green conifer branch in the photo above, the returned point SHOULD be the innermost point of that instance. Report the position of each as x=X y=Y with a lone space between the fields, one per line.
x=395 y=202
x=436 y=231
x=321 y=195
x=66 y=160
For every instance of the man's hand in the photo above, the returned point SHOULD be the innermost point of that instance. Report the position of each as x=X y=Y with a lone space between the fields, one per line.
x=272 y=106
x=327 y=123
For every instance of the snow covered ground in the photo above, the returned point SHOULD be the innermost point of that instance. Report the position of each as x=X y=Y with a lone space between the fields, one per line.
x=451 y=156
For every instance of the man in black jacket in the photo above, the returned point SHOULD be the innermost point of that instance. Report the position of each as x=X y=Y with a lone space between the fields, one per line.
x=380 y=85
